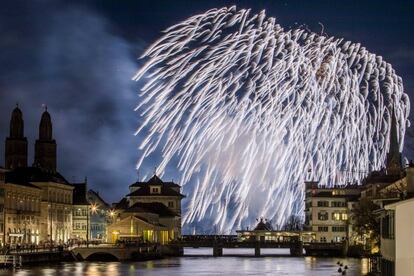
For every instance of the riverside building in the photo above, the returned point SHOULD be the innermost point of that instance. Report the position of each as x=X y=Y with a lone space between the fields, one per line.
x=327 y=211
x=100 y=218
x=80 y=208
x=150 y=212
x=38 y=200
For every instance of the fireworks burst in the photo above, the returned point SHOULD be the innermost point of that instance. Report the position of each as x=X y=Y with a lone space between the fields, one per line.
x=249 y=108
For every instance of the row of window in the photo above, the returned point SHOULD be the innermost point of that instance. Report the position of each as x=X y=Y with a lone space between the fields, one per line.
x=324 y=215
x=333 y=203
x=23 y=219
x=60 y=216
x=22 y=203
x=83 y=226
x=22 y=231
x=80 y=212
x=62 y=197
x=97 y=227
x=79 y=226
x=335 y=239
x=334 y=228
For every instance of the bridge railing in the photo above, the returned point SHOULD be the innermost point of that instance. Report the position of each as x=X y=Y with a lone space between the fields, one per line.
x=212 y=238
x=233 y=239
x=34 y=249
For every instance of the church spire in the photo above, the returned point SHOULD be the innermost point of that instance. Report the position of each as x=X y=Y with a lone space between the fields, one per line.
x=45 y=127
x=16 y=143
x=394 y=154
x=16 y=123
x=45 y=147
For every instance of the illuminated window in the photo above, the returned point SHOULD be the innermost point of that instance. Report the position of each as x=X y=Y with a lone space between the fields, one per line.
x=164 y=237
x=148 y=235
x=336 y=216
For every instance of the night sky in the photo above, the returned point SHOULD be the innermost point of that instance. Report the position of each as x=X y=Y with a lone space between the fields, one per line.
x=78 y=57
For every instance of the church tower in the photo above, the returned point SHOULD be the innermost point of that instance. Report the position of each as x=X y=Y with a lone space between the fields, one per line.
x=45 y=147
x=393 y=164
x=16 y=143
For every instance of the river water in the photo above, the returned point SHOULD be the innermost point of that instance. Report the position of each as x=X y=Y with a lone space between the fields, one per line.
x=199 y=262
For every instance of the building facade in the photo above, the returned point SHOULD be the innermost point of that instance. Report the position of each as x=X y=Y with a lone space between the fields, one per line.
x=100 y=218
x=2 y=197
x=22 y=213
x=151 y=212
x=37 y=196
x=80 y=209
x=397 y=242
x=20 y=222
x=328 y=211
x=91 y=214
x=397 y=224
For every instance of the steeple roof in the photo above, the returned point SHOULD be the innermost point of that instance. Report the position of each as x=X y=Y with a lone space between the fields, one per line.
x=45 y=127
x=17 y=124
x=394 y=154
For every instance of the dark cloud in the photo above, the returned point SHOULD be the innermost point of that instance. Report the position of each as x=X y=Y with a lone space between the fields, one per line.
x=68 y=59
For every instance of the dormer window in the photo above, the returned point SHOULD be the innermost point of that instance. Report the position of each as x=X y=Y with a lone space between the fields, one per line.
x=155 y=189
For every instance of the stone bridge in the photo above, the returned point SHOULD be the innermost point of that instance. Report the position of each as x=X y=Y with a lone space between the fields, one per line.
x=112 y=253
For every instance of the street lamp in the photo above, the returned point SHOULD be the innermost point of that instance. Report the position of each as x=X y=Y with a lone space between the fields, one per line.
x=112 y=214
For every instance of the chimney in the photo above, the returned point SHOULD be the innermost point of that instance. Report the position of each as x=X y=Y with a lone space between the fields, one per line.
x=410 y=180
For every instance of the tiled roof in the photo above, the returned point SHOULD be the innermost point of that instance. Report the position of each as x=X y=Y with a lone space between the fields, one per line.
x=329 y=194
x=24 y=176
x=79 y=194
x=92 y=193
x=147 y=221
x=167 y=188
x=153 y=207
x=123 y=204
x=165 y=191
x=155 y=180
x=380 y=177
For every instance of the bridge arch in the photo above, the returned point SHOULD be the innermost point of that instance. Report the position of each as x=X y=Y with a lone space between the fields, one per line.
x=101 y=256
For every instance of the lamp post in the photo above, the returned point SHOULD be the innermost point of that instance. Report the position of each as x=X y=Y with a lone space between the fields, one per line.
x=4 y=225
x=112 y=215
x=50 y=223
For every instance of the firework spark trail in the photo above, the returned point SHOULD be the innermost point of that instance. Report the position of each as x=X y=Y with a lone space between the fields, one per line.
x=248 y=108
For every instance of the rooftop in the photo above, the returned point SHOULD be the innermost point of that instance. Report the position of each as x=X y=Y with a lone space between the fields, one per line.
x=153 y=207
x=24 y=176
x=79 y=194
x=167 y=188
x=155 y=180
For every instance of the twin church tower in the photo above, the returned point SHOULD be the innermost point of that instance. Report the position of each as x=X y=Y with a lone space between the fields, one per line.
x=16 y=143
